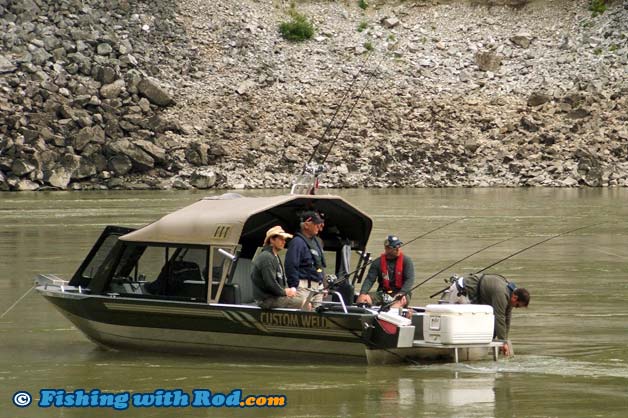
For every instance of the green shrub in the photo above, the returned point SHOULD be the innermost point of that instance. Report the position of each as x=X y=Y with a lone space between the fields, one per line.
x=363 y=4
x=597 y=7
x=362 y=26
x=298 y=28
x=368 y=46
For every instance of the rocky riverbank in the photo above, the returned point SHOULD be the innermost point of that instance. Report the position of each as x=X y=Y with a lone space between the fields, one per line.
x=192 y=93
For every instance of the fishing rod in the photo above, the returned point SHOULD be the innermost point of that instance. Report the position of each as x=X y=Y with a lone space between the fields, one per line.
x=333 y=117
x=389 y=304
x=368 y=80
x=460 y=261
x=534 y=245
x=346 y=276
x=524 y=249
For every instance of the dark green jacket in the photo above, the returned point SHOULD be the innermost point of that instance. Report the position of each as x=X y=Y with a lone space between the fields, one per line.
x=493 y=290
x=267 y=275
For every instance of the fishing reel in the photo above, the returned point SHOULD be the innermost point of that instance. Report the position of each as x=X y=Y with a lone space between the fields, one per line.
x=331 y=279
x=314 y=169
x=387 y=299
x=453 y=279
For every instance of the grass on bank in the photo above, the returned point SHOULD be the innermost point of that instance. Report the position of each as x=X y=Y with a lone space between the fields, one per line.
x=298 y=28
x=597 y=7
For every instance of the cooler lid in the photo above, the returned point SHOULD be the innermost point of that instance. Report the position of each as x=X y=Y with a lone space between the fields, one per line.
x=451 y=308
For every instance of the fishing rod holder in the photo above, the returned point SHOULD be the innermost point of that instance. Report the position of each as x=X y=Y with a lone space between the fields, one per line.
x=307 y=181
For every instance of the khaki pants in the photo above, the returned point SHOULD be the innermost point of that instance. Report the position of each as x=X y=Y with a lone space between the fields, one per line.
x=316 y=297
x=295 y=302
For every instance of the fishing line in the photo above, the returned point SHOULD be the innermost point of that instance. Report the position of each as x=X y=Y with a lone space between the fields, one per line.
x=16 y=302
x=534 y=245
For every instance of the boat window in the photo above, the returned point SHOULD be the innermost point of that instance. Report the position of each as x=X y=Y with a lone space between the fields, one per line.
x=99 y=258
x=168 y=272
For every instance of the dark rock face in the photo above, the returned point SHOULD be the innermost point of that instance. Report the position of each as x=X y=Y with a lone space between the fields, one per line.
x=74 y=87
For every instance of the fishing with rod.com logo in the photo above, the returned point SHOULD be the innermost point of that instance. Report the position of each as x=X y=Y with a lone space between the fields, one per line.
x=159 y=398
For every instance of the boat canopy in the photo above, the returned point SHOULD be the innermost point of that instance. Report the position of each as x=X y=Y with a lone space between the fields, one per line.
x=232 y=219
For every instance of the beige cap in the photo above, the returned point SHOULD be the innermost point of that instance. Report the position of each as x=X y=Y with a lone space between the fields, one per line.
x=274 y=231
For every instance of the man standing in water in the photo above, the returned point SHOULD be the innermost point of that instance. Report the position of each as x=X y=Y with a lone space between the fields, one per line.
x=496 y=291
x=394 y=273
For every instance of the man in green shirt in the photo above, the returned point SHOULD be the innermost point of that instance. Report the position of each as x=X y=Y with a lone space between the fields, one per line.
x=270 y=288
x=493 y=290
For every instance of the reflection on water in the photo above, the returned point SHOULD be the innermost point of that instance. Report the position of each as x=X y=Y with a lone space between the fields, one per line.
x=571 y=344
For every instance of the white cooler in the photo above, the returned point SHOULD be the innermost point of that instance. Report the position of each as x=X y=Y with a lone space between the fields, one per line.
x=458 y=324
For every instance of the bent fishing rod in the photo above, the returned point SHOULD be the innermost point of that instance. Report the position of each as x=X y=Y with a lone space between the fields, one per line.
x=522 y=250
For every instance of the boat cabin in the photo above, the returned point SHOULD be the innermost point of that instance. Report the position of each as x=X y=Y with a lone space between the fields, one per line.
x=202 y=253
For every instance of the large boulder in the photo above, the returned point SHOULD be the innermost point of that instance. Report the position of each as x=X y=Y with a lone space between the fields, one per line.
x=59 y=177
x=151 y=89
x=141 y=159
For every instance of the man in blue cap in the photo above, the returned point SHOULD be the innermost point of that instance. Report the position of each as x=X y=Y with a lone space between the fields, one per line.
x=394 y=273
x=305 y=260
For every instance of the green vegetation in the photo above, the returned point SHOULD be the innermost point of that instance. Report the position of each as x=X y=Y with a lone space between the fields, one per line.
x=368 y=46
x=597 y=7
x=298 y=28
x=362 y=26
x=363 y=4
x=613 y=47
x=597 y=51
x=391 y=38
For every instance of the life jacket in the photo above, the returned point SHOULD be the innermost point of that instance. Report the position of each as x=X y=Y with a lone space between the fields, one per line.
x=383 y=264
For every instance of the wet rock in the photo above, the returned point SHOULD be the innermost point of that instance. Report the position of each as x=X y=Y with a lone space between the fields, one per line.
x=24 y=185
x=4 y=186
x=203 y=179
x=59 y=178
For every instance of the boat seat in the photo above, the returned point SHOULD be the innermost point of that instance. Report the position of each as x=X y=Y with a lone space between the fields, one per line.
x=182 y=279
x=230 y=293
x=242 y=278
